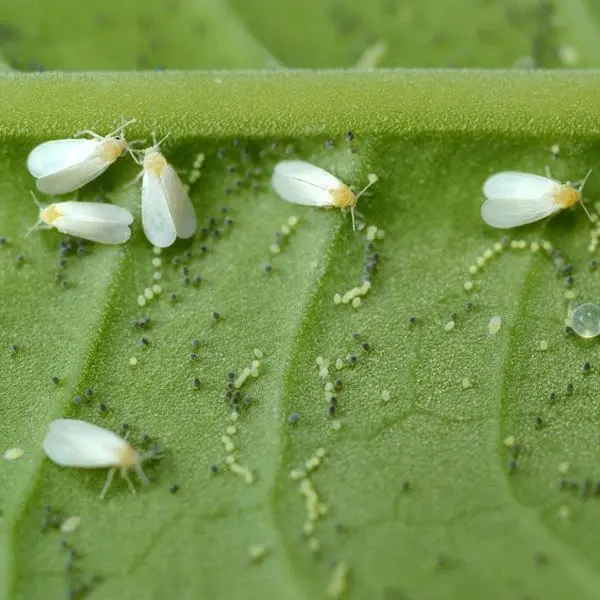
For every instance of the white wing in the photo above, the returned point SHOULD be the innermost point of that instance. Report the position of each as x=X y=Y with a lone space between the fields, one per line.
x=73 y=443
x=95 y=211
x=515 y=199
x=157 y=222
x=518 y=186
x=73 y=177
x=505 y=213
x=58 y=155
x=179 y=203
x=103 y=232
x=304 y=183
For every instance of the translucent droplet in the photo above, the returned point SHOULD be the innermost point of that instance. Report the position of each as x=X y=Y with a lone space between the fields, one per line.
x=586 y=320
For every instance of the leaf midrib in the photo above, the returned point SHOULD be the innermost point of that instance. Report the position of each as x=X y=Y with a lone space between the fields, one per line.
x=228 y=104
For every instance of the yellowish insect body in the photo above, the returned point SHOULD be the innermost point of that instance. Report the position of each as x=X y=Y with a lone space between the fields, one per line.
x=112 y=148
x=49 y=214
x=566 y=196
x=128 y=457
x=343 y=197
x=154 y=162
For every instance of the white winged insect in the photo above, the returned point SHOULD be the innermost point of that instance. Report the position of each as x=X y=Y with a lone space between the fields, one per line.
x=63 y=166
x=301 y=182
x=167 y=211
x=94 y=221
x=73 y=443
x=514 y=199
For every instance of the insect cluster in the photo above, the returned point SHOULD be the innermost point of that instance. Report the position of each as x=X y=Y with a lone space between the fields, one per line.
x=64 y=166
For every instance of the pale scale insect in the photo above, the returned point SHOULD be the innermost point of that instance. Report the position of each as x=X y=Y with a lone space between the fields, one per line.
x=94 y=221
x=514 y=198
x=301 y=182
x=167 y=211
x=63 y=166
x=74 y=443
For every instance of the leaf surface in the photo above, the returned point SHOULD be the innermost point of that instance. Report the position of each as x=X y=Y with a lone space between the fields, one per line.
x=442 y=467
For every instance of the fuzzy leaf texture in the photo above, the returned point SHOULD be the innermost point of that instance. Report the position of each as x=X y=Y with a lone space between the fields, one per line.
x=457 y=464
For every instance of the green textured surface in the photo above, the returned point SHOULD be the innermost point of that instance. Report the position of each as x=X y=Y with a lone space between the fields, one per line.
x=156 y=34
x=183 y=34
x=467 y=527
x=401 y=103
x=465 y=514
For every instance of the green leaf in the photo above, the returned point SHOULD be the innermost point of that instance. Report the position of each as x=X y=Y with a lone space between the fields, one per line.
x=426 y=493
x=421 y=495
x=185 y=34
x=115 y=35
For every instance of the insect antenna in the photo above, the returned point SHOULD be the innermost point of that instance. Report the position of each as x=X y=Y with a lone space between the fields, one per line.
x=157 y=144
x=580 y=189
x=39 y=221
x=120 y=129
x=372 y=179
